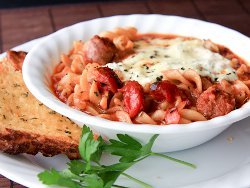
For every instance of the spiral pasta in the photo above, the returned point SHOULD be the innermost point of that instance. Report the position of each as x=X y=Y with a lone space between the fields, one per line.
x=121 y=37
x=178 y=95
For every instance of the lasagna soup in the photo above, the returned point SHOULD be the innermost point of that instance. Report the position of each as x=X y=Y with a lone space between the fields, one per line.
x=158 y=79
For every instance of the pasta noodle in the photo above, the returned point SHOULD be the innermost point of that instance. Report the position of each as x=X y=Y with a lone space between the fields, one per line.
x=191 y=75
x=158 y=115
x=123 y=43
x=192 y=115
x=104 y=101
x=123 y=116
x=138 y=89
x=144 y=118
x=185 y=121
x=94 y=94
x=175 y=75
x=121 y=37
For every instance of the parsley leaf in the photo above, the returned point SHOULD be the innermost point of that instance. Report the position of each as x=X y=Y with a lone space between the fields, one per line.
x=89 y=148
x=67 y=179
x=78 y=167
x=128 y=148
x=89 y=173
x=110 y=173
x=93 y=181
x=54 y=177
x=146 y=149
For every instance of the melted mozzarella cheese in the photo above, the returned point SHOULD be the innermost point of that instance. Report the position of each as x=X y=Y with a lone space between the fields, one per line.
x=154 y=56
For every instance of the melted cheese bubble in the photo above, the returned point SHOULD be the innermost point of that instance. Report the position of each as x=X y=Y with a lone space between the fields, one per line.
x=154 y=56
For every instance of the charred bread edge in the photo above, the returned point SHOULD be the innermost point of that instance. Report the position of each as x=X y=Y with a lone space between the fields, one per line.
x=16 y=142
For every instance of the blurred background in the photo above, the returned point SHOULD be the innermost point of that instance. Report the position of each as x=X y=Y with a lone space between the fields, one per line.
x=24 y=20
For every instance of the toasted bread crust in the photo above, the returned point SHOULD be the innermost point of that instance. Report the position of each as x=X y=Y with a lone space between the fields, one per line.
x=16 y=59
x=16 y=142
x=26 y=125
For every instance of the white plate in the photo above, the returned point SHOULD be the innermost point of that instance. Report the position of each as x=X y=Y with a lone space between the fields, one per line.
x=220 y=163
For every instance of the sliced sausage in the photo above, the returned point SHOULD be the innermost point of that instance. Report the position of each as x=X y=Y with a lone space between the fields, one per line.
x=214 y=102
x=133 y=98
x=99 y=50
x=107 y=79
x=164 y=90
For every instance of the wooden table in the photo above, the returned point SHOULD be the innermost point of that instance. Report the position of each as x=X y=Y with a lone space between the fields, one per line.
x=20 y=25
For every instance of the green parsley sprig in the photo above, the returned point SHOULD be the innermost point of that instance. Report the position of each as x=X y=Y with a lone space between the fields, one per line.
x=90 y=173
